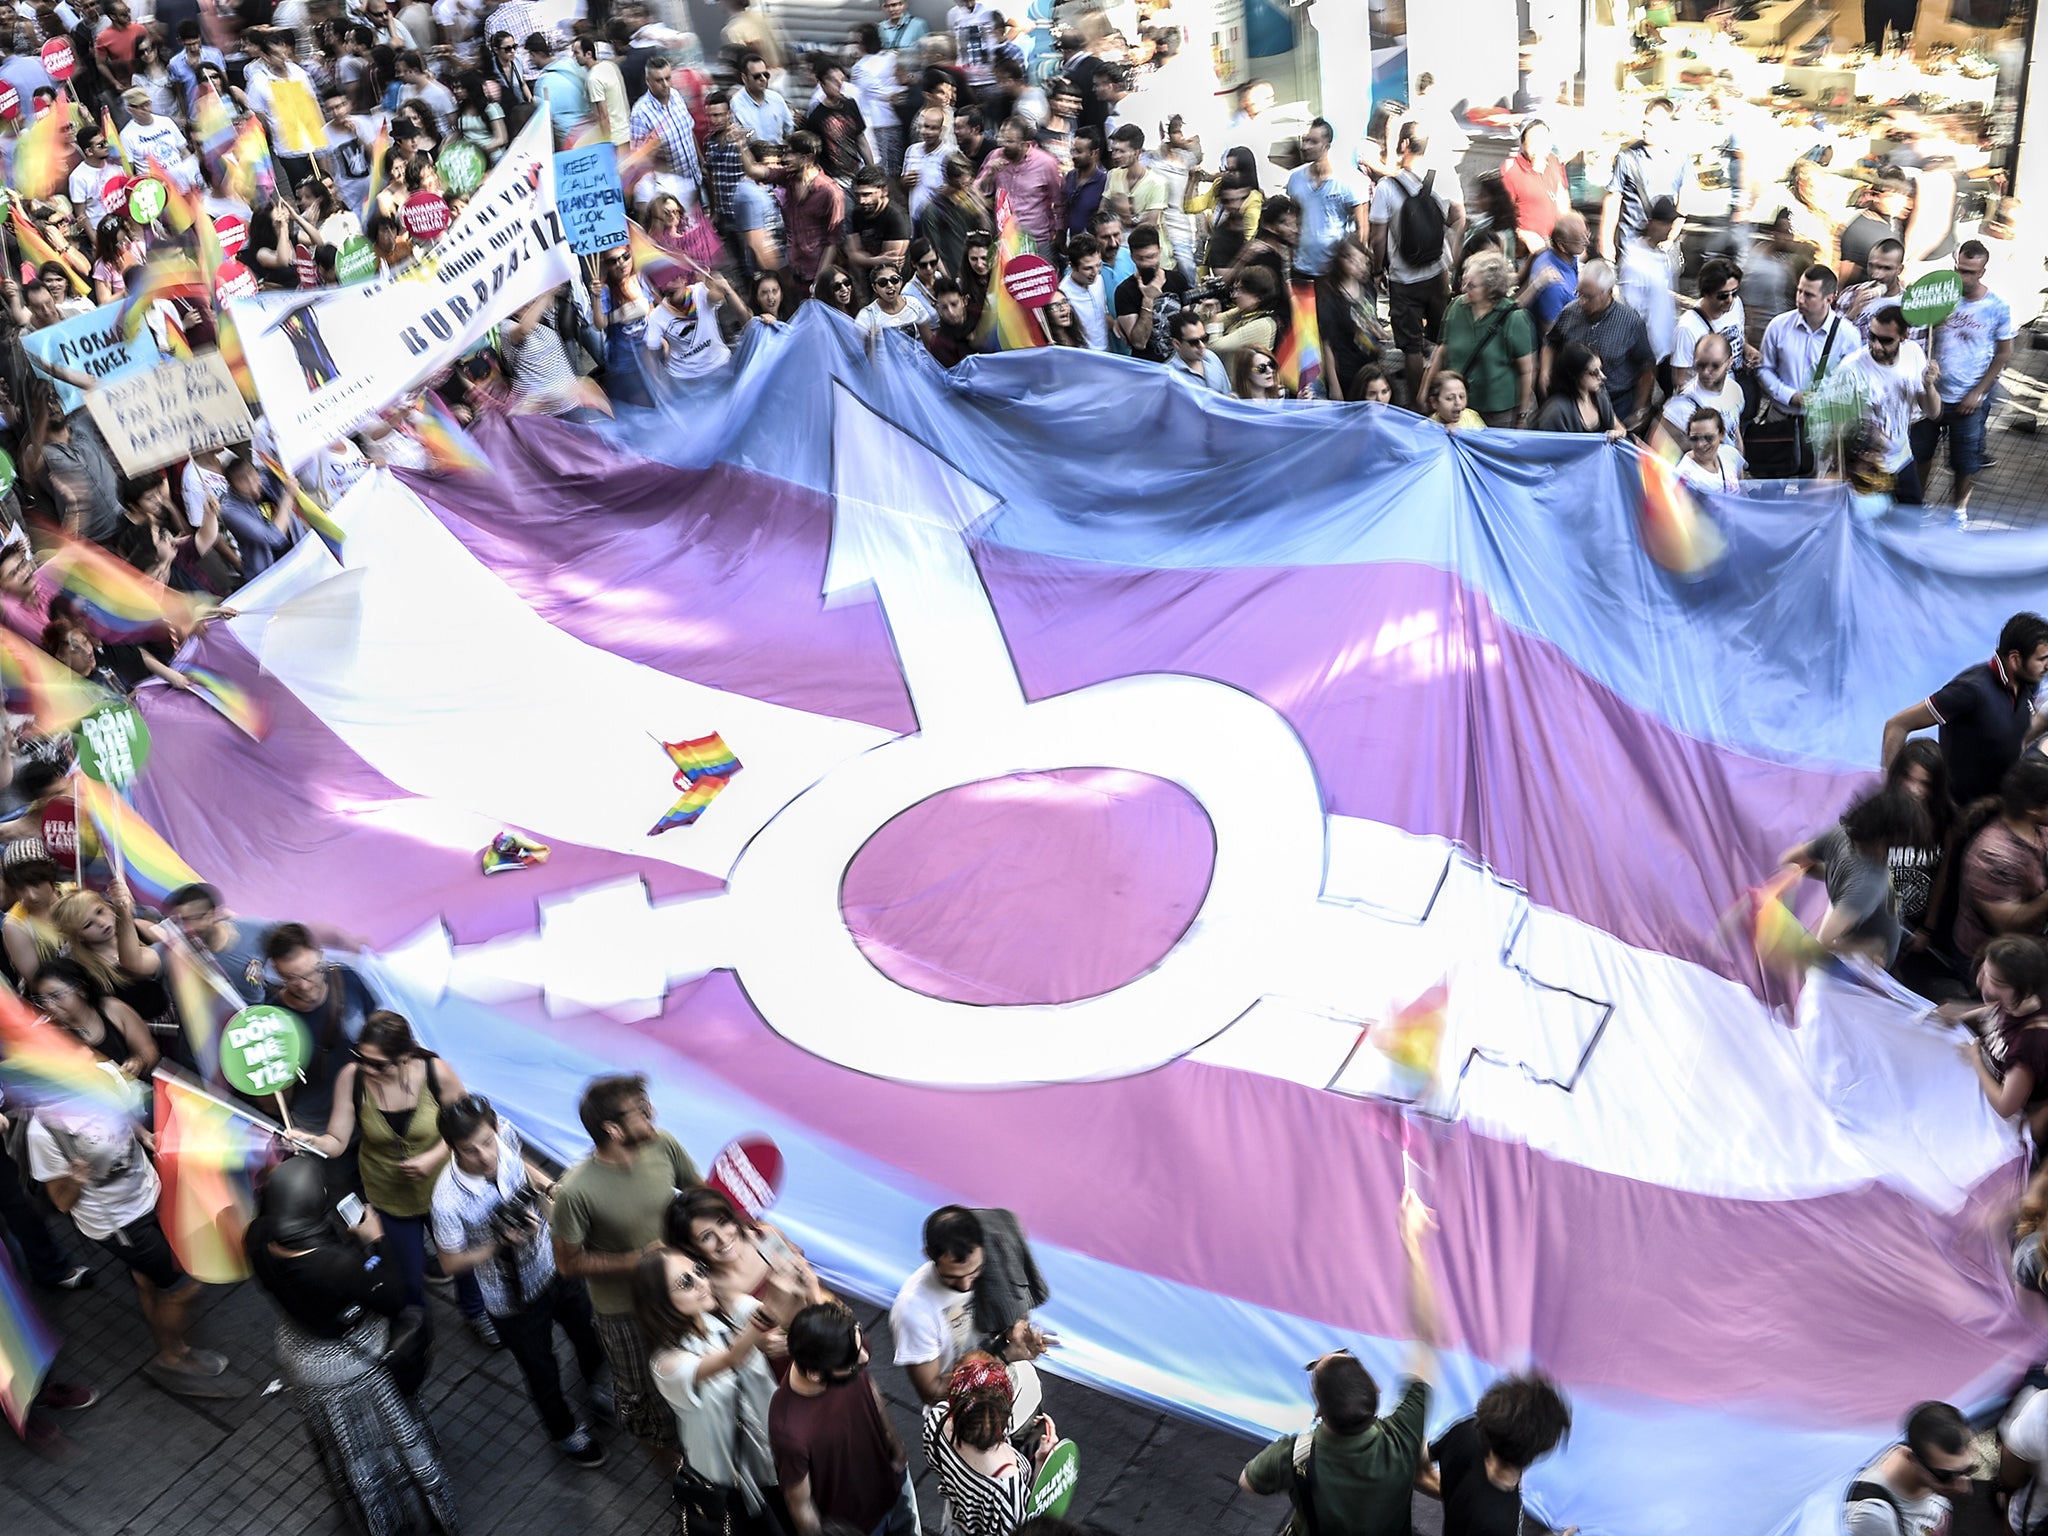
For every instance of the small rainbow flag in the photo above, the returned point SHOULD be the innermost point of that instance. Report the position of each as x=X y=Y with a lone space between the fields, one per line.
x=1007 y=325
x=152 y=867
x=1674 y=533
x=41 y=162
x=448 y=444
x=26 y=1346
x=637 y=162
x=204 y=1000
x=661 y=268
x=250 y=174
x=317 y=517
x=171 y=274
x=216 y=127
x=241 y=710
x=41 y=1064
x=209 y=1158
x=38 y=684
x=38 y=250
x=115 y=599
x=704 y=766
x=1414 y=1036
x=114 y=143
x=232 y=354
x=179 y=204
x=1300 y=358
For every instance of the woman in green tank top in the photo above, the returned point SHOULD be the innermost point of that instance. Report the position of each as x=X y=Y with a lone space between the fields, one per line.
x=392 y=1093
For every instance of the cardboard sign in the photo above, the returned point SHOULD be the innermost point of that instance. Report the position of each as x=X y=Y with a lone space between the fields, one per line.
x=263 y=1050
x=58 y=59
x=182 y=407
x=591 y=199
x=113 y=744
x=1931 y=299
x=1030 y=280
x=91 y=343
x=749 y=1174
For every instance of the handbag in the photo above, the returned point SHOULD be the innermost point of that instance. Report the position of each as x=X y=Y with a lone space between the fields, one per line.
x=1777 y=448
x=704 y=1507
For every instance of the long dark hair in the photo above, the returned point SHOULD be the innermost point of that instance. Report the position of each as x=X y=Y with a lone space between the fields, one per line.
x=1568 y=373
x=702 y=1203
x=655 y=1310
x=1925 y=753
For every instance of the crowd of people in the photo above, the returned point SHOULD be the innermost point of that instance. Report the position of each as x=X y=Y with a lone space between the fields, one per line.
x=876 y=181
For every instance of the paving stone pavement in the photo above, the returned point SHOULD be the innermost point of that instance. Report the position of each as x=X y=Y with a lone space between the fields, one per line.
x=147 y=1463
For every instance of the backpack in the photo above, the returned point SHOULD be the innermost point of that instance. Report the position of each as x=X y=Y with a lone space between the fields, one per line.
x=1419 y=226
x=1301 y=1480
x=1862 y=1492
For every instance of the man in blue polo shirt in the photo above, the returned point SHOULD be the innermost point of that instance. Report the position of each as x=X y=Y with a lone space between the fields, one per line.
x=1985 y=713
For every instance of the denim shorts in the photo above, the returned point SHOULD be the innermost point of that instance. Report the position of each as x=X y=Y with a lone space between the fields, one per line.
x=1966 y=454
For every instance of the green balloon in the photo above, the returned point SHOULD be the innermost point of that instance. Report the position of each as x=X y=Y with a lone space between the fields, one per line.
x=263 y=1050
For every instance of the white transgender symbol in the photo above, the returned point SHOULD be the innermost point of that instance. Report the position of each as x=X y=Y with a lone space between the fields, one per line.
x=1310 y=924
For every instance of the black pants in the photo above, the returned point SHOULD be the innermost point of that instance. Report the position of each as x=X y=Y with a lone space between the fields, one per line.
x=1899 y=15
x=530 y=1336
x=19 y=1216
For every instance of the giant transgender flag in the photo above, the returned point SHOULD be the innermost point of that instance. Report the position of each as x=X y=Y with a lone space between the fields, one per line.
x=1117 y=758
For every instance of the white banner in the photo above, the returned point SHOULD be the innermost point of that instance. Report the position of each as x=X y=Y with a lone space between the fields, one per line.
x=325 y=362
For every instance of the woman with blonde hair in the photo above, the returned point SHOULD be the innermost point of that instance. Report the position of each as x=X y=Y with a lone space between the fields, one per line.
x=103 y=936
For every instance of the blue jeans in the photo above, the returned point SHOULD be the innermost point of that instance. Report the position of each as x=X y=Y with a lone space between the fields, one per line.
x=405 y=1241
x=902 y=1520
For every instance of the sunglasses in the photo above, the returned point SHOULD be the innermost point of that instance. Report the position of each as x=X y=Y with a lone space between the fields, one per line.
x=1311 y=1366
x=1948 y=1475
x=690 y=1280
x=374 y=1063
x=888 y=282
x=1262 y=367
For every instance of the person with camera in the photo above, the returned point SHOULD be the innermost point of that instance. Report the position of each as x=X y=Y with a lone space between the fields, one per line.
x=490 y=1222
x=351 y=1352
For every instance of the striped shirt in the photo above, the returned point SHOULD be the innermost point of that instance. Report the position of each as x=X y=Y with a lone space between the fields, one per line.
x=980 y=1505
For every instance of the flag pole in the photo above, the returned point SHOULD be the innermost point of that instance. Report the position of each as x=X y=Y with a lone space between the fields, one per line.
x=120 y=867
x=260 y=1121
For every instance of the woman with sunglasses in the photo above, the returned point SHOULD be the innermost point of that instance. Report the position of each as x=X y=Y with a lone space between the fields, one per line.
x=391 y=1092
x=154 y=76
x=742 y=1258
x=834 y=289
x=622 y=305
x=1254 y=375
x=708 y=1362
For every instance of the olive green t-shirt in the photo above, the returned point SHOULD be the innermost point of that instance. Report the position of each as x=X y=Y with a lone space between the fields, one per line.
x=605 y=1208
x=1364 y=1482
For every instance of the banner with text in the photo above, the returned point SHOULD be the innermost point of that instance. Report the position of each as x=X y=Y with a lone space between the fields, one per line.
x=325 y=363
x=173 y=411
x=91 y=344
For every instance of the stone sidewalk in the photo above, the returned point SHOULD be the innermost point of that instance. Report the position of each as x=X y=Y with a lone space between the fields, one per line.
x=146 y=1463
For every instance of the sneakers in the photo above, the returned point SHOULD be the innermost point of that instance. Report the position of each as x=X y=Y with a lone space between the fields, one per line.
x=581 y=1449
x=486 y=1331
x=66 y=1397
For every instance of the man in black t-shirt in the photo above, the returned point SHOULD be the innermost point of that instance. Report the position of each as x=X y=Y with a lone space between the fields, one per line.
x=837 y=122
x=1986 y=712
x=877 y=228
x=1480 y=1460
x=1146 y=304
x=1883 y=217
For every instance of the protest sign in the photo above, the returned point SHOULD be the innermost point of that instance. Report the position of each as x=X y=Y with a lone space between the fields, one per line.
x=325 y=362
x=263 y=1050
x=171 y=412
x=112 y=744
x=91 y=343
x=592 y=201
x=300 y=128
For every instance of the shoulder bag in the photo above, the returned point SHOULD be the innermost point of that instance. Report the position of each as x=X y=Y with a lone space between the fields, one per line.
x=703 y=1507
x=1777 y=448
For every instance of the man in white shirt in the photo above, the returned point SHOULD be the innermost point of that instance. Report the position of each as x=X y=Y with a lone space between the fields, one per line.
x=1647 y=277
x=761 y=112
x=1709 y=386
x=146 y=134
x=417 y=85
x=1087 y=290
x=1973 y=346
x=1907 y=1491
x=1899 y=381
x=977 y=30
x=891 y=309
x=272 y=73
x=92 y=173
x=1719 y=313
x=924 y=163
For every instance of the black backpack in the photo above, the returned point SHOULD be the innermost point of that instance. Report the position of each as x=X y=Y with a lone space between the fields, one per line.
x=1419 y=226
x=1862 y=1492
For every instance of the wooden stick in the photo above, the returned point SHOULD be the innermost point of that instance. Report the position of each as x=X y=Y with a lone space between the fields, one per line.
x=283 y=1113
x=242 y=1110
x=114 y=837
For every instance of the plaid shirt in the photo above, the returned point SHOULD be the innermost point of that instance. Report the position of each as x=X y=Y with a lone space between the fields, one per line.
x=723 y=157
x=669 y=122
x=461 y=1215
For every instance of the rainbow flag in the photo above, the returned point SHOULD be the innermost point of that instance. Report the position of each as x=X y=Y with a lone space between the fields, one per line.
x=250 y=174
x=26 y=1346
x=317 y=517
x=209 y=1158
x=36 y=249
x=380 y=161
x=448 y=444
x=1782 y=943
x=170 y=274
x=240 y=709
x=661 y=268
x=41 y=162
x=180 y=206
x=1299 y=360
x=41 y=1064
x=175 y=342
x=204 y=1000
x=114 y=143
x=1674 y=534
x=637 y=161
x=152 y=867
x=216 y=127
x=1005 y=324
x=116 y=600
x=232 y=354
x=36 y=683
x=1414 y=1036
x=704 y=766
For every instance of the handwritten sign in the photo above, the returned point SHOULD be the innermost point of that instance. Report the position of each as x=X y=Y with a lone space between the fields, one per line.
x=91 y=343
x=591 y=200
x=172 y=412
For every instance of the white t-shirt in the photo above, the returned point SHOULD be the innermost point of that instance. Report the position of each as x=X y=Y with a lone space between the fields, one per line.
x=2027 y=1438
x=1727 y=400
x=1894 y=393
x=195 y=485
x=1874 y=1517
x=1387 y=199
x=974 y=29
x=695 y=347
x=1091 y=309
x=874 y=319
x=1646 y=281
x=931 y=1321
x=123 y=1186
x=1964 y=342
x=87 y=182
x=1726 y=478
x=1693 y=328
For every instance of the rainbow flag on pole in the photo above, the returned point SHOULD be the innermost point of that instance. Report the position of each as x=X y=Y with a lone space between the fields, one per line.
x=150 y=865
x=26 y=1346
x=41 y=161
x=1674 y=533
x=209 y=1158
x=704 y=766
x=117 y=601
x=661 y=269
x=36 y=683
x=204 y=1000
x=171 y=274
x=216 y=128
x=1299 y=360
x=1414 y=1036
x=113 y=138
x=241 y=710
x=250 y=175
x=1007 y=325
x=42 y=1064
x=447 y=442
x=36 y=249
